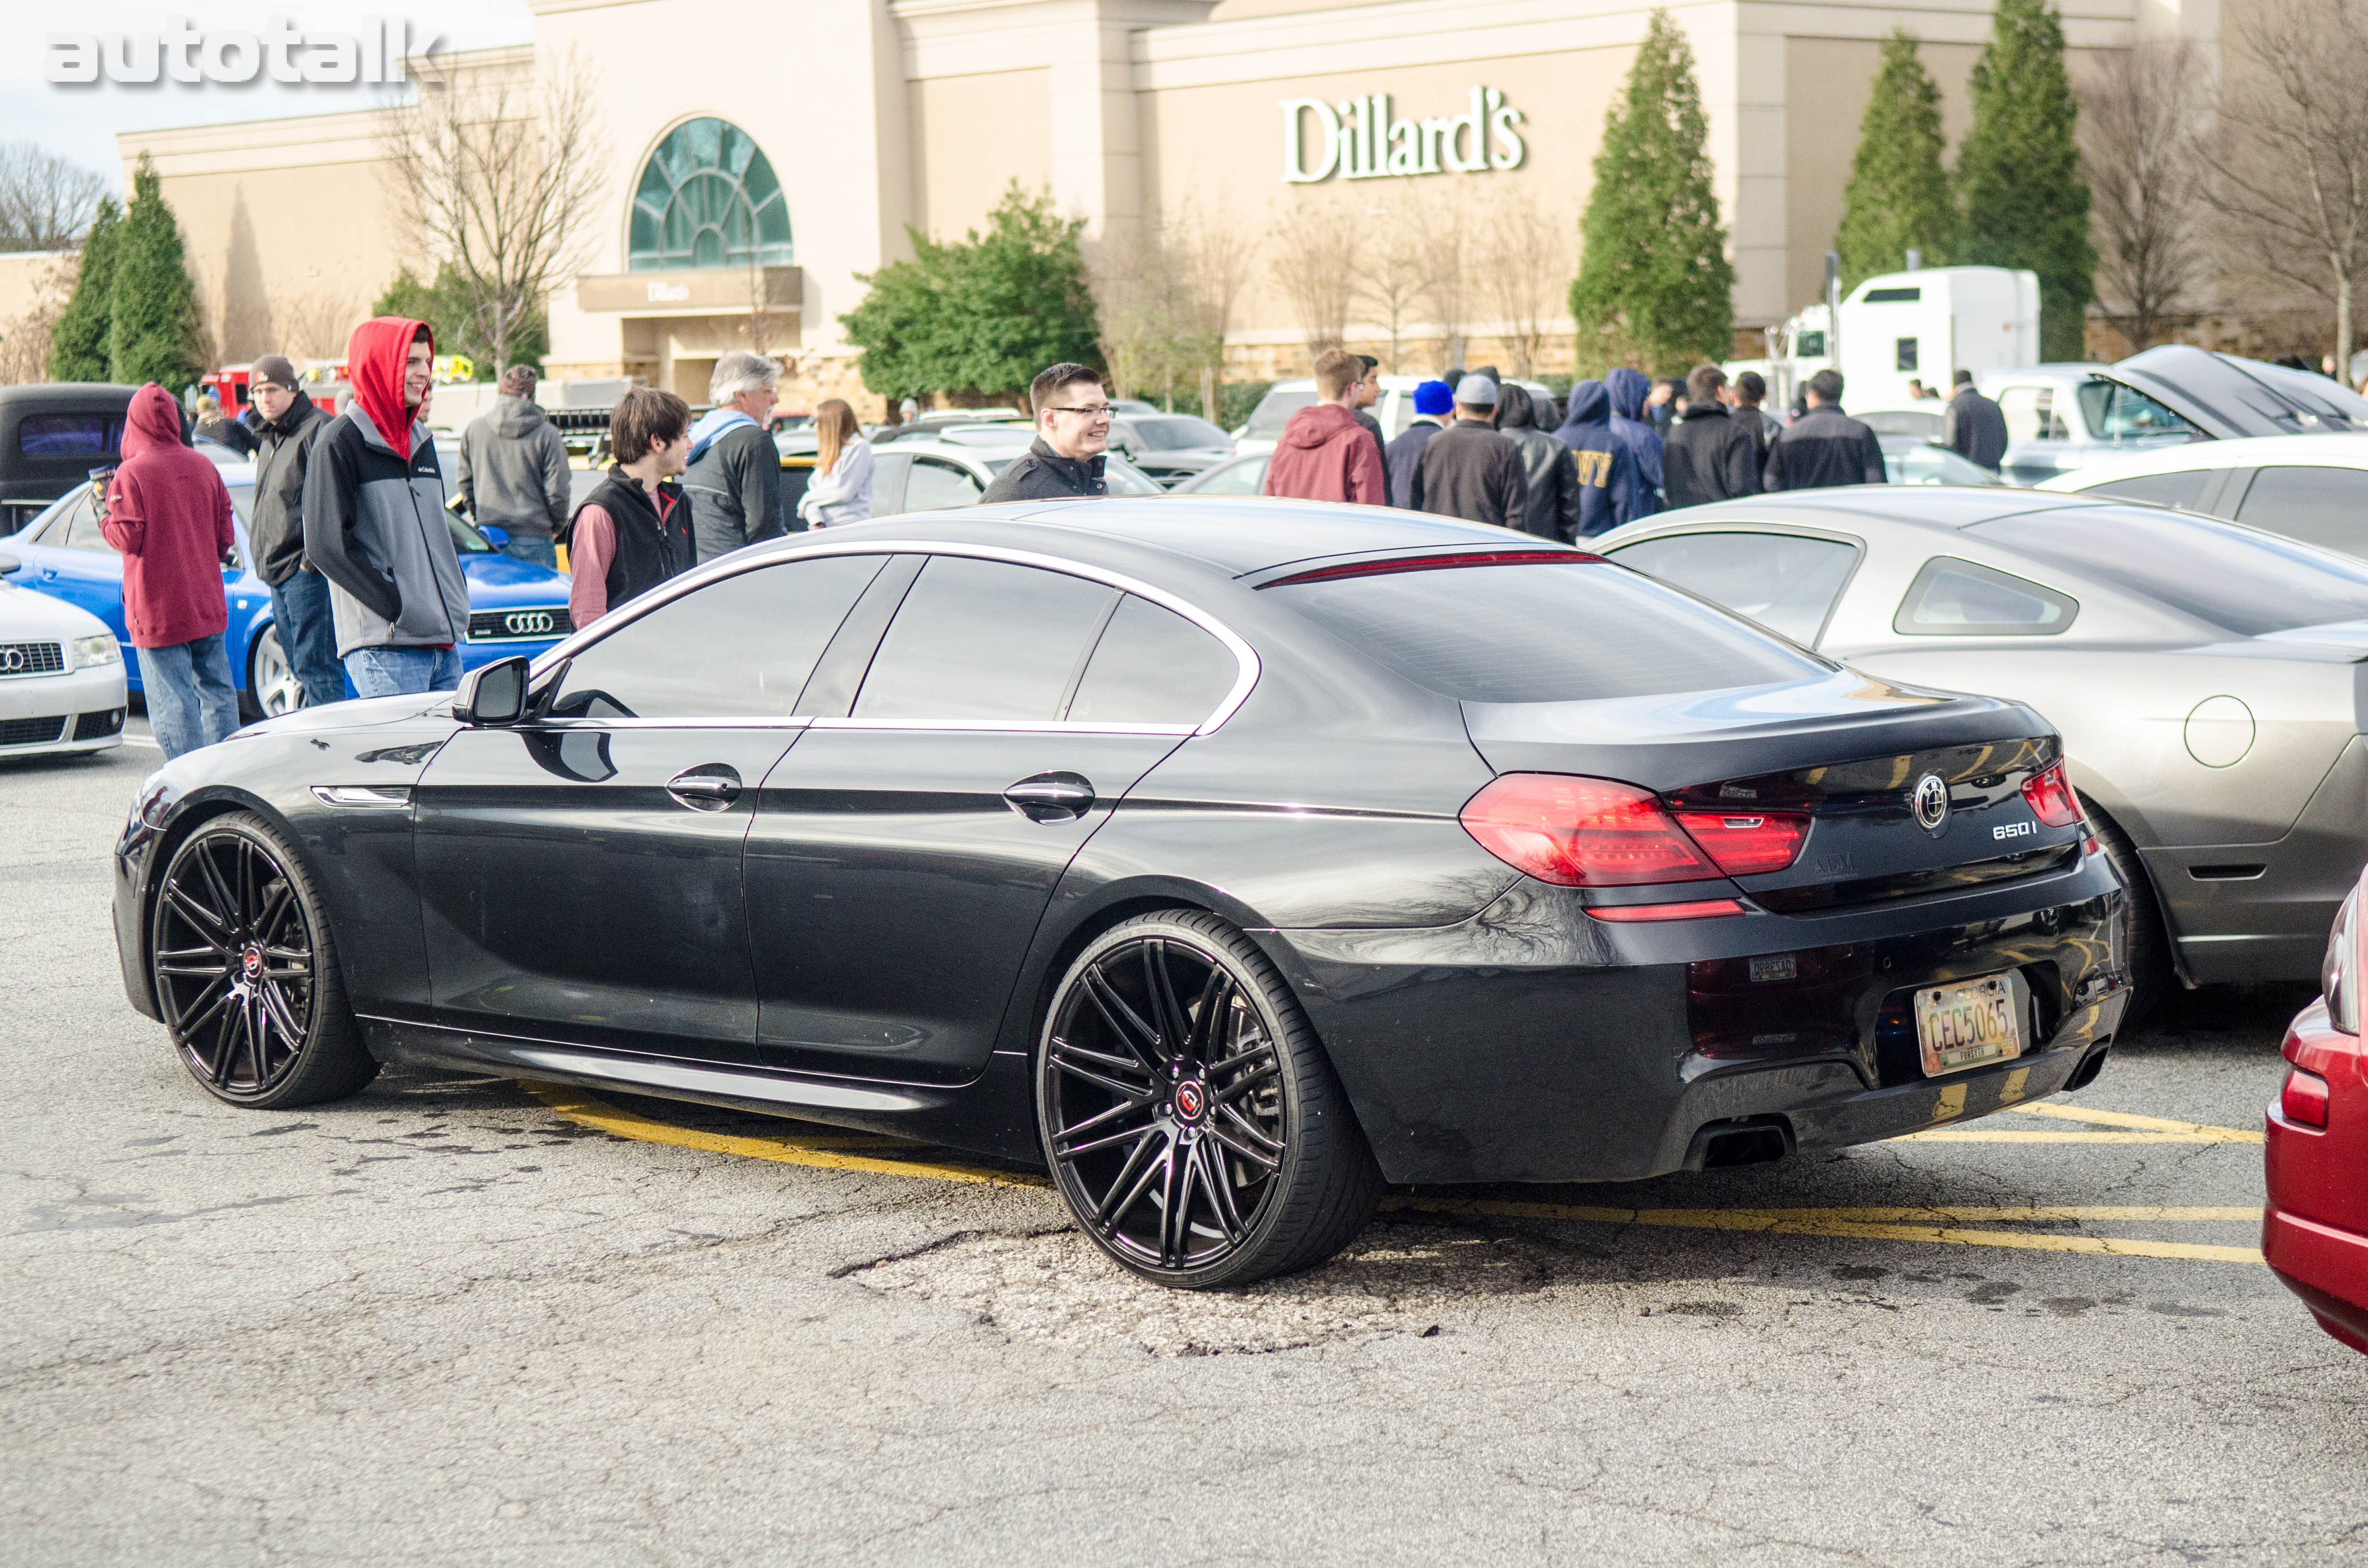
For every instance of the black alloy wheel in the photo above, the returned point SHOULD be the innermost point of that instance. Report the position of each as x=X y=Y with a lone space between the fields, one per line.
x=1190 y=1118
x=245 y=972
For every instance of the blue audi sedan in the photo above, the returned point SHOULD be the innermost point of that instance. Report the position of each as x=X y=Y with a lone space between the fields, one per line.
x=513 y=606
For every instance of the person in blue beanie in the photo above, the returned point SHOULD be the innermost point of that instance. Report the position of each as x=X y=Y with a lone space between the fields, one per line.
x=1432 y=399
x=1611 y=490
x=1634 y=427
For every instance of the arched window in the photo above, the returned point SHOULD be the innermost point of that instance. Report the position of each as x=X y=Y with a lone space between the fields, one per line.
x=708 y=198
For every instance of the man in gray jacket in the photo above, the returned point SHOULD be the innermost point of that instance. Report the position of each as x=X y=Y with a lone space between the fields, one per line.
x=514 y=471
x=734 y=479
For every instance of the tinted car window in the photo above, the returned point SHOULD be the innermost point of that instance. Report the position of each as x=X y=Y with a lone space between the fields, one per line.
x=888 y=470
x=1907 y=461
x=81 y=527
x=2179 y=489
x=739 y=648
x=1123 y=478
x=2030 y=414
x=1274 y=412
x=1180 y=432
x=2244 y=582
x=1902 y=422
x=2325 y=507
x=1957 y=599
x=1153 y=666
x=2115 y=413
x=69 y=435
x=935 y=484
x=1545 y=633
x=1242 y=476
x=1782 y=580
x=983 y=640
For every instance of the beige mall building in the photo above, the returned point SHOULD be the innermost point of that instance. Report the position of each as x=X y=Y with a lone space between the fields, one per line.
x=766 y=152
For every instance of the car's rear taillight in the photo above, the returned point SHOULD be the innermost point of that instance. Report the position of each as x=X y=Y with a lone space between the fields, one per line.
x=1747 y=845
x=2304 y=1099
x=2049 y=795
x=1583 y=833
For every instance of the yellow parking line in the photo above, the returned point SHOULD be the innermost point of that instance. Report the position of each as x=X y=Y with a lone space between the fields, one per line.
x=2142 y=1129
x=1832 y=1222
x=2149 y=1123
x=589 y=1110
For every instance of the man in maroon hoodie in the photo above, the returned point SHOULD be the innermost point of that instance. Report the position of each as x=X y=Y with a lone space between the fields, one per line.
x=169 y=515
x=1324 y=454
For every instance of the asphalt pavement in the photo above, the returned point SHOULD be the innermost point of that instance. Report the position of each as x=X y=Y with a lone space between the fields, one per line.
x=468 y=1320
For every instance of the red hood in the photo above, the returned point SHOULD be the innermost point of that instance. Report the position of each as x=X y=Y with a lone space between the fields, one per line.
x=1315 y=425
x=374 y=360
x=153 y=421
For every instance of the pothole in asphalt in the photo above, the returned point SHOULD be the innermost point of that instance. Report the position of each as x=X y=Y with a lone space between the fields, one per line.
x=1058 y=1288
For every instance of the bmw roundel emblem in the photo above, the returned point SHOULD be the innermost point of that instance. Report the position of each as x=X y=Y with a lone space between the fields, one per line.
x=1930 y=800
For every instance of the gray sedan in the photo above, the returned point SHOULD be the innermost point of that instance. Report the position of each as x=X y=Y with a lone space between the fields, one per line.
x=2208 y=678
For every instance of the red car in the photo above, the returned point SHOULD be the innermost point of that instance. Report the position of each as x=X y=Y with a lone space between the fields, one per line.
x=2315 y=1232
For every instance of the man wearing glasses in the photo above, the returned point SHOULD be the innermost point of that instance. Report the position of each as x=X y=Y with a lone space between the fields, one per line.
x=1073 y=425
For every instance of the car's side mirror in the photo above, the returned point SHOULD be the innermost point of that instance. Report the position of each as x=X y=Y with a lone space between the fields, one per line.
x=492 y=694
x=8 y=563
x=496 y=536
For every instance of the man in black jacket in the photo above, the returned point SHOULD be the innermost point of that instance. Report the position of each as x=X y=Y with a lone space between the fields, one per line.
x=1710 y=455
x=1552 y=509
x=287 y=424
x=1974 y=425
x=1824 y=446
x=1073 y=426
x=1468 y=470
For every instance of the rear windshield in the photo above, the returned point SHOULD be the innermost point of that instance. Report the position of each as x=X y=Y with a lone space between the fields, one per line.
x=2232 y=577
x=1179 y=432
x=1545 y=632
x=70 y=434
x=1274 y=412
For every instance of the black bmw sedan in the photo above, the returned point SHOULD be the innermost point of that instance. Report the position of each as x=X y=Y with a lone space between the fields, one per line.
x=1230 y=857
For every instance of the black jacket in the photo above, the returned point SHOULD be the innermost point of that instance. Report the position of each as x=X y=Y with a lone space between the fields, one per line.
x=275 y=524
x=1710 y=456
x=734 y=486
x=1399 y=457
x=1551 y=508
x=1823 y=447
x=1045 y=475
x=1976 y=427
x=654 y=538
x=1470 y=471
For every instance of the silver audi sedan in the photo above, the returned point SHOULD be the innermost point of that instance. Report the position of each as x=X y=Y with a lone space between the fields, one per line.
x=2208 y=678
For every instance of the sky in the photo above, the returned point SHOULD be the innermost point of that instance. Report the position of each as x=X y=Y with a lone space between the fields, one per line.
x=81 y=122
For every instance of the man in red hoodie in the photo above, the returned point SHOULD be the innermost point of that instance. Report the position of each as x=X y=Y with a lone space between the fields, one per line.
x=168 y=515
x=1324 y=454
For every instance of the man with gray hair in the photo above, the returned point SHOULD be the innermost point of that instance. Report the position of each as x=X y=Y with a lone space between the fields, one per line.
x=513 y=473
x=734 y=480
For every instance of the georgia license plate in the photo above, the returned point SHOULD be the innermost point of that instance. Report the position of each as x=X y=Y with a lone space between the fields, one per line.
x=1968 y=1024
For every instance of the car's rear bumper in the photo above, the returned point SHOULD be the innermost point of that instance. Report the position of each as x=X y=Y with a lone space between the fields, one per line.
x=1532 y=1043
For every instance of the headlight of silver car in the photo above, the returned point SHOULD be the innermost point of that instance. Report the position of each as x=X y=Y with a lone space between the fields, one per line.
x=87 y=653
x=2335 y=981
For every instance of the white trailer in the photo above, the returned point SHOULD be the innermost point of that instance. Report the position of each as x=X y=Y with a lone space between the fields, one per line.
x=1927 y=324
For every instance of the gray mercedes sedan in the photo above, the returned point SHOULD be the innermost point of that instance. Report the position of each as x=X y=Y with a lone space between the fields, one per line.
x=2209 y=680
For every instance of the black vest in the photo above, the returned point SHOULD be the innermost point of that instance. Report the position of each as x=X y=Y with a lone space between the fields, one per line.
x=653 y=534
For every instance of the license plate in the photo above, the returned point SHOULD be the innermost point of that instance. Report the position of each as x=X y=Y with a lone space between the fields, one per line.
x=1968 y=1024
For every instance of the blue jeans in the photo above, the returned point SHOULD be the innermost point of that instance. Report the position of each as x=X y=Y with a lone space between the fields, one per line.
x=404 y=672
x=536 y=548
x=308 y=635
x=192 y=702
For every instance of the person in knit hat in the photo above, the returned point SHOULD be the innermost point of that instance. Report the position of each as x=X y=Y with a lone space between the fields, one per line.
x=1433 y=400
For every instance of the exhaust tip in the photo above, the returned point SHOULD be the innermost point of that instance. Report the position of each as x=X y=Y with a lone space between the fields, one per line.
x=1748 y=1140
x=2090 y=1066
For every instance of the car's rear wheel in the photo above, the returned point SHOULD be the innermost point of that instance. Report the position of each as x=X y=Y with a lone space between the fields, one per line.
x=2152 y=976
x=272 y=678
x=1190 y=1118
x=246 y=975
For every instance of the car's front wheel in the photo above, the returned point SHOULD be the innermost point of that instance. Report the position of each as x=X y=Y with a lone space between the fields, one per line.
x=246 y=975
x=272 y=678
x=1190 y=1118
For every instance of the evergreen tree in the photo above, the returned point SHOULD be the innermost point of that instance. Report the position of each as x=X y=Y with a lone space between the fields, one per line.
x=1654 y=282
x=152 y=330
x=2025 y=203
x=78 y=343
x=1898 y=197
x=978 y=317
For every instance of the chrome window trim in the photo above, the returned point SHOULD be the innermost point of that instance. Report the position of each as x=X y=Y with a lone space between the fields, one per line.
x=1008 y=726
x=1246 y=667
x=639 y=723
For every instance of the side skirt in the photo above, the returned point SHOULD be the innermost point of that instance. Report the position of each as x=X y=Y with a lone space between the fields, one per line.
x=993 y=1114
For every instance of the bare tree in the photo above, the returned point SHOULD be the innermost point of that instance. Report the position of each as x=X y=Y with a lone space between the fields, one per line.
x=1445 y=219
x=1313 y=272
x=1392 y=274
x=25 y=339
x=498 y=172
x=1526 y=278
x=1164 y=293
x=2143 y=165
x=2289 y=166
x=316 y=325
x=46 y=202
x=1214 y=260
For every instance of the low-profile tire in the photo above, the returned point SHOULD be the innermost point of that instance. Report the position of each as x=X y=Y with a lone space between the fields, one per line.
x=2152 y=976
x=246 y=970
x=1189 y=1117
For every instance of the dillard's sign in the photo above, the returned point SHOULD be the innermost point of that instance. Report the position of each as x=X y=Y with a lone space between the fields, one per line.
x=1356 y=139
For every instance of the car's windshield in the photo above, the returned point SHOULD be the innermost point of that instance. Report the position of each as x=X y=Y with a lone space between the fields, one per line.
x=1274 y=412
x=2116 y=412
x=1553 y=630
x=2246 y=582
x=1179 y=432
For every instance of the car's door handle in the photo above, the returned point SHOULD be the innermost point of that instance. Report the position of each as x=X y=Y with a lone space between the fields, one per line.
x=708 y=790
x=1051 y=797
x=49 y=574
